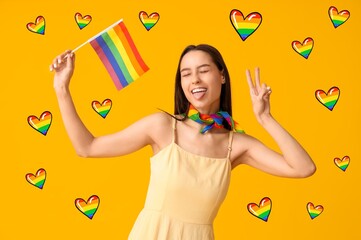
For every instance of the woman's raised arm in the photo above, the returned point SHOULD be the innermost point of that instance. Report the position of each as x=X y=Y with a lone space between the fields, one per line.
x=123 y=142
x=294 y=161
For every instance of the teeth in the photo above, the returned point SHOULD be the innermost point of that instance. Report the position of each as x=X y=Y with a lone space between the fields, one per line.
x=197 y=90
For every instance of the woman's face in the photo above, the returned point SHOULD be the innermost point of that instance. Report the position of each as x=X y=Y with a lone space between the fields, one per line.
x=201 y=81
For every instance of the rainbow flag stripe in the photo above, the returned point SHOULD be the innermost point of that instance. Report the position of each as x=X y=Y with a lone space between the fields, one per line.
x=119 y=55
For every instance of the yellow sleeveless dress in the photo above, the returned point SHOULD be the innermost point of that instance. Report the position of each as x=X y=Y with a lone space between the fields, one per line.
x=184 y=194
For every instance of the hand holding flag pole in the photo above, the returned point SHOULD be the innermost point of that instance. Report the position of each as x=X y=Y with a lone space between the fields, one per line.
x=117 y=51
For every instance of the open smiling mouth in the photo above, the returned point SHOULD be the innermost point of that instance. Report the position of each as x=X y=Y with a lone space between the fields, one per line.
x=199 y=92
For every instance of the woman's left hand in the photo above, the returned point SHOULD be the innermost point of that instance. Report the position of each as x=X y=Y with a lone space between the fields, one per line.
x=260 y=96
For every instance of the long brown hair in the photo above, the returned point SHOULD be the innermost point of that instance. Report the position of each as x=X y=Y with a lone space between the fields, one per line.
x=181 y=104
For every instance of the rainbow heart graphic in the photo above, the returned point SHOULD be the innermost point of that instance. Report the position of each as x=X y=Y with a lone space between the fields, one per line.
x=41 y=125
x=148 y=21
x=103 y=108
x=338 y=18
x=305 y=48
x=342 y=163
x=245 y=26
x=314 y=211
x=261 y=211
x=38 y=179
x=82 y=21
x=328 y=99
x=37 y=27
x=88 y=208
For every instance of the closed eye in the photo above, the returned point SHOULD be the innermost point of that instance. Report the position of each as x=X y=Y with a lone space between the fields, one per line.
x=204 y=69
x=186 y=75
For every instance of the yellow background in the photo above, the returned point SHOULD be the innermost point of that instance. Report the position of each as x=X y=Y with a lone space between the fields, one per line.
x=121 y=183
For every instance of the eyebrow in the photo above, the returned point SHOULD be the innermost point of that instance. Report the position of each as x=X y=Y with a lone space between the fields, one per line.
x=203 y=65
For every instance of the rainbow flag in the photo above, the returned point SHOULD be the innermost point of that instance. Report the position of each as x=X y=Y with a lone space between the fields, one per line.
x=119 y=54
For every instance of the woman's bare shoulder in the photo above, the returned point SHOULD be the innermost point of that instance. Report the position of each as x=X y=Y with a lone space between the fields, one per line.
x=241 y=144
x=159 y=118
x=160 y=129
x=243 y=140
x=158 y=122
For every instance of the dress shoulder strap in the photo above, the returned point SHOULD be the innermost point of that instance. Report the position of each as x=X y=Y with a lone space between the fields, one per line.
x=174 y=129
x=230 y=140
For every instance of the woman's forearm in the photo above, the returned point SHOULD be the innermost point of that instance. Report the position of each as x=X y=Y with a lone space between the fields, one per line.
x=293 y=153
x=79 y=135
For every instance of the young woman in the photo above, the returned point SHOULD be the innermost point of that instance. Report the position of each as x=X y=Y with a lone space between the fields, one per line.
x=194 y=150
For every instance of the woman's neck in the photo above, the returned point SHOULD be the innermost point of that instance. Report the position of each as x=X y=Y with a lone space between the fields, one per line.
x=209 y=109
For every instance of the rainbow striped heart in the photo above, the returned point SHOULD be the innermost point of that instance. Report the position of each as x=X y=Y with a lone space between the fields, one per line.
x=314 y=211
x=261 y=211
x=37 y=27
x=82 y=21
x=88 y=208
x=342 y=163
x=328 y=99
x=41 y=125
x=245 y=26
x=338 y=18
x=305 y=48
x=103 y=108
x=38 y=179
x=148 y=21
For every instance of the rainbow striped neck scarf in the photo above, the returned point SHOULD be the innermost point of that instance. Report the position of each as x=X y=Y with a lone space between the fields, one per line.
x=212 y=120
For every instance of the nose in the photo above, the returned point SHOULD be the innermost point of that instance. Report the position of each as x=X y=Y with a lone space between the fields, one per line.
x=196 y=79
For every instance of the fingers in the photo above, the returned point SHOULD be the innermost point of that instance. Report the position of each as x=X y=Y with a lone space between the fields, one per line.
x=255 y=88
x=257 y=77
x=249 y=79
x=70 y=59
x=265 y=91
x=250 y=82
x=62 y=59
x=268 y=93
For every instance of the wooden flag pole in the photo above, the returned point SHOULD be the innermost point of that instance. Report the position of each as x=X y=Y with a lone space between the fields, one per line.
x=92 y=38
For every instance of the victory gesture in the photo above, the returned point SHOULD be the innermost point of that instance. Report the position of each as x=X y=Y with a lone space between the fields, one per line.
x=260 y=95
